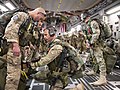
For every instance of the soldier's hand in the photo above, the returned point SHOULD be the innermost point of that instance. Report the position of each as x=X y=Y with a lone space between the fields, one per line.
x=16 y=49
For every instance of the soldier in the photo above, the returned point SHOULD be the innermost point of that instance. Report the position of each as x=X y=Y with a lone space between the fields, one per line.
x=81 y=41
x=30 y=53
x=96 y=45
x=38 y=40
x=43 y=44
x=74 y=40
x=57 y=78
x=15 y=27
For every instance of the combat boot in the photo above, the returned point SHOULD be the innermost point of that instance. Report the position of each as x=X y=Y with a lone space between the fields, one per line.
x=90 y=73
x=102 y=81
x=78 y=87
x=73 y=88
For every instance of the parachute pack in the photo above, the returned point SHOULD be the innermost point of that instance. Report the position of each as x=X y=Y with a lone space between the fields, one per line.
x=5 y=19
x=105 y=29
x=74 y=59
x=110 y=60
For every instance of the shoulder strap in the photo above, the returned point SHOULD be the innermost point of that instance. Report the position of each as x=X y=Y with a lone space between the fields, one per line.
x=61 y=61
x=89 y=31
x=62 y=55
x=25 y=25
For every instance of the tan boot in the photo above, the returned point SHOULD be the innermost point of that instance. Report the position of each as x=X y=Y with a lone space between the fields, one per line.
x=90 y=72
x=102 y=80
x=80 y=87
x=73 y=88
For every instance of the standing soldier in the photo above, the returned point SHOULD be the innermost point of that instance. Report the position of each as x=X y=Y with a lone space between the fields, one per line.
x=20 y=22
x=81 y=42
x=30 y=53
x=96 y=45
x=74 y=40
x=38 y=41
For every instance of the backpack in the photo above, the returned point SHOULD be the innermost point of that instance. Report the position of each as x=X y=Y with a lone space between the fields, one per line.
x=110 y=60
x=74 y=59
x=5 y=19
x=105 y=30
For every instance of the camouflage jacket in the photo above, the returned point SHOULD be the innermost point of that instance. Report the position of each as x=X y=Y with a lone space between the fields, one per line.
x=94 y=27
x=11 y=31
x=52 y=55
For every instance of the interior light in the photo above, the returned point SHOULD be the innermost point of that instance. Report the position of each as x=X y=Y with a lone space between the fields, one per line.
x=113 y=10
x=9 y=5
x=78 y=27
x=3 y=8
x=72 y=29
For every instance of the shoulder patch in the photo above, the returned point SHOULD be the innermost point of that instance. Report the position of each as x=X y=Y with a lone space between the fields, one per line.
x=15 y=17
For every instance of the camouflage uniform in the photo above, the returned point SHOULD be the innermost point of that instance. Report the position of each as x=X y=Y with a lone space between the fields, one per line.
x=51 y=59
x=74 y=41
x=60 y=37
x=43 y=46
x=97 y=46
x=81 y=42
x=66 y=38
x=14 y=62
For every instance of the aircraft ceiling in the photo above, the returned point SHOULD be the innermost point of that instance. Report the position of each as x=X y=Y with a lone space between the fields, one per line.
x=62 y=10
x=61 y=5
x=69 y=7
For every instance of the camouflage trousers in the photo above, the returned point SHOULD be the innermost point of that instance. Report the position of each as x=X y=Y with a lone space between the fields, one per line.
x=98 y=54
x=81 y=46
x=13 y=70
x=46 y=77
